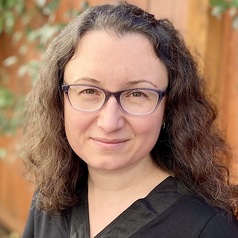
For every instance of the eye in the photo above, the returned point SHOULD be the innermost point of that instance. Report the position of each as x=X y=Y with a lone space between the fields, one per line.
x=84 y=91
x=137 y=93
x=89 y=91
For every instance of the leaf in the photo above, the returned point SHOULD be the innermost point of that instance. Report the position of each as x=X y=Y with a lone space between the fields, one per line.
x=17 y=36
x=232 y=11
x=53 y=5
x=44 y=34
x=40 y=3
x=234 y=3
x=31 y=69
x=6 y=98
x=50 y=7
x=217 y=11
x=235 y=22
x=10 y=61
x=219 y=3
x=9 y=21
x=1 y=25
x=3 y=153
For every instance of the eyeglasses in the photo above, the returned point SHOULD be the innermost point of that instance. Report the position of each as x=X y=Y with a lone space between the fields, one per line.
x=136 y=101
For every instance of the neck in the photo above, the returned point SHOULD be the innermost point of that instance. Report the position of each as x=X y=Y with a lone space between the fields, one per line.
x=141 y=178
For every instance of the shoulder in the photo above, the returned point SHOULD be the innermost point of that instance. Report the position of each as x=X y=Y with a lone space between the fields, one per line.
x=190 y=217
x=206 y=220
x=40 y=224
x=220 y=225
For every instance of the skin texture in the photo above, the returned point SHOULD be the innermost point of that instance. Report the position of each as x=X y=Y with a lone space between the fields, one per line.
x=111 y=139
x=190 y=146
x=115 y=145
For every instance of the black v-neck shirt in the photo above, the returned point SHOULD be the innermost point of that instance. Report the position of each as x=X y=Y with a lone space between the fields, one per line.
x=168 y=211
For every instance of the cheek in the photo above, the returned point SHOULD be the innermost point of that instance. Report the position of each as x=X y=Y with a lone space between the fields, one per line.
x=152 y=126
x=69 y=117
x=148 y=129
x=75 y=122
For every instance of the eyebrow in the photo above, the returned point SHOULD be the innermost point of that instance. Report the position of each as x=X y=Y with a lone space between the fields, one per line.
x=135 y=82
x=130 y=83
x=90 y=80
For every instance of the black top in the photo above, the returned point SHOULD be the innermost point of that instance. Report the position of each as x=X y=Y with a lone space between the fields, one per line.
x=169 y=211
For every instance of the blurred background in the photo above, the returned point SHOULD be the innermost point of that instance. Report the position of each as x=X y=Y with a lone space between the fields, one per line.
x=210 y=29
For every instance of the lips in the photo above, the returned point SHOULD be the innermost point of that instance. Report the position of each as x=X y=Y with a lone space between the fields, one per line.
x=109 y=143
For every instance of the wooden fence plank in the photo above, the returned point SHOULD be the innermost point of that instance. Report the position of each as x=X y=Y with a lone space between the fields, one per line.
x=229 y=91
x=215 y=42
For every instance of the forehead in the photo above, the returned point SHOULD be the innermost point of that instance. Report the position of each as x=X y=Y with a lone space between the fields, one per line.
x=107 y=56
x=99 y=38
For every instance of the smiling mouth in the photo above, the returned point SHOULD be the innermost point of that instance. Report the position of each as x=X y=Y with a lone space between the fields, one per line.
x=110 y=144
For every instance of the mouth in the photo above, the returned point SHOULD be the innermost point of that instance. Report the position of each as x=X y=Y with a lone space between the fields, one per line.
x=110 y=143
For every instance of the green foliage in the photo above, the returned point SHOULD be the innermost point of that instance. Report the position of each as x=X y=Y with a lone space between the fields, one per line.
x=18 y=12
x=10 y=111
x=8 y=11
x=219 y=7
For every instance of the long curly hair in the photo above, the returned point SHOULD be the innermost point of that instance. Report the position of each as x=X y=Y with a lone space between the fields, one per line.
x=189 y=147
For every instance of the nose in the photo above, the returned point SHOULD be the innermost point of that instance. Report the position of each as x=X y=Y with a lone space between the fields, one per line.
x=111 y=118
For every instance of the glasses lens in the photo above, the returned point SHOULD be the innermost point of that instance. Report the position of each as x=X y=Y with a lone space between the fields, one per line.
x=139 y=101
x=86 y=98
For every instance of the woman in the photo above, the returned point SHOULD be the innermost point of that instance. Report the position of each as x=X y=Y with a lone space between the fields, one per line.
x=121 y=140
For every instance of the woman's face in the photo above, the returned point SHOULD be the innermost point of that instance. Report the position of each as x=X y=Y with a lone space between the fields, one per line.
x=110 y=139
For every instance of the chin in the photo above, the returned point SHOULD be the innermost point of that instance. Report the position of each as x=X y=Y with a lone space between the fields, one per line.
x=108 y=166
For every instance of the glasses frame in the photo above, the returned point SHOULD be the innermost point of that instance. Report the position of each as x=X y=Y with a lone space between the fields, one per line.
x=161 y=93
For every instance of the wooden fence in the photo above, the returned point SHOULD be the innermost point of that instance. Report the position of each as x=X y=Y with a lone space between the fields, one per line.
x=217 y=45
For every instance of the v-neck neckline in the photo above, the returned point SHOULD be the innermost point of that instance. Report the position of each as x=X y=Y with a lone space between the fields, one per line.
x=138 y=214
